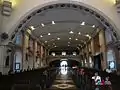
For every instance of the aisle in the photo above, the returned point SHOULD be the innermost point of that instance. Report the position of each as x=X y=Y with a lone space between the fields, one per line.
x=63 y=82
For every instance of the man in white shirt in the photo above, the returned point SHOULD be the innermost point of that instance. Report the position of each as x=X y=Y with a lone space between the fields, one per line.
x=97 y=79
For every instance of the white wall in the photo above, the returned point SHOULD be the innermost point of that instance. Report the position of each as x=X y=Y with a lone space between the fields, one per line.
x=106 y=8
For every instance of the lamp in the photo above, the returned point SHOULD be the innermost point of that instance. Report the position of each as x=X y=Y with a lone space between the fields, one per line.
x=6 y=8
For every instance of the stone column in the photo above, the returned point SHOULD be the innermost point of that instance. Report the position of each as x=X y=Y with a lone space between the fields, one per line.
x=3 y=55
x=103 y=49
x=25 y=45
x=2 y=58
x=92 y=47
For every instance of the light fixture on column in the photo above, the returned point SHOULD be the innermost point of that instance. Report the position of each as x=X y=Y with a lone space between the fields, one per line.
x=6 y=8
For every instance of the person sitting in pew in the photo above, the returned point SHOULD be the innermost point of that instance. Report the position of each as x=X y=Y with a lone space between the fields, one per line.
x=108 y=83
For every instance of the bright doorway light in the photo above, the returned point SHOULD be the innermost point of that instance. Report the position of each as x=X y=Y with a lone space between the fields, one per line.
x=63 y=67
x=63 y=63
x=63 y=53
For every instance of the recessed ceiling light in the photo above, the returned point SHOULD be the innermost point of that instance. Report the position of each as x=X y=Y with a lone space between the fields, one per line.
x=83 y=23
x=42 y=25
x=71 y=32
x=68 y=45
x=49 y=33
x=45 y=41
x=32 y=27
x=58 y=38
x=41 y=36
x=52 y=39
x=93 y=26
x=79 y=33
x=87 y=35
x=70 y=38
x=55 y=46
x=53 y=22
x=76 y=39
x=69 y=42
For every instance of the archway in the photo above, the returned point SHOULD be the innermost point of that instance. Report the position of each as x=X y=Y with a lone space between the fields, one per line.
x=103 y=19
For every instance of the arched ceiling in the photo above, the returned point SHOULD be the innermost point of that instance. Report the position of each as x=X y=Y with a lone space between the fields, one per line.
x=81 y=24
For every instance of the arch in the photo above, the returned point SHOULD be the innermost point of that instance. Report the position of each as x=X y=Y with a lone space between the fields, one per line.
x=97 y=13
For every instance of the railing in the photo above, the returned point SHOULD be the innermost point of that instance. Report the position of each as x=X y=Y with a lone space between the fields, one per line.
x=73 y=57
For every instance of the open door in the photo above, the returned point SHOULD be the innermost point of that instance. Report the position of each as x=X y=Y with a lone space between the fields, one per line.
x=97 y=62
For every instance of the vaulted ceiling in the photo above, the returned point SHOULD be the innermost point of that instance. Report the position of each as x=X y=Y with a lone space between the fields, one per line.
x=63 y=27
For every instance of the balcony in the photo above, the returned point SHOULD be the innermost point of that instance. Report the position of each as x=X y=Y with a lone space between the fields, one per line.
x=51 y=58
x=118 y=5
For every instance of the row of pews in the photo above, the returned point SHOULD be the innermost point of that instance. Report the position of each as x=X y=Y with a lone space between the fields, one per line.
x=36 y=79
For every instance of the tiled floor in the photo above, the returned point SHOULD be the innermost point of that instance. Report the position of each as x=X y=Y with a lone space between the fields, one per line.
x=63 y=82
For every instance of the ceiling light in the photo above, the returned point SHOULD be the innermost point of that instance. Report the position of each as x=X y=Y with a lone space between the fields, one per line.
x=42 y=25
x=41 y=36
x=32 y=28
x=70 y=38
x=49 y=34
x=87 y=35
x=69 y=42
x=53 y=22
x=52 y=39
x=93 y=26
x=83 y=23
x=58 y=38
x=55 y=46
x=71 y=32
x=79 y=33
x=76 y=39
x=45 y=41
x=68 y=45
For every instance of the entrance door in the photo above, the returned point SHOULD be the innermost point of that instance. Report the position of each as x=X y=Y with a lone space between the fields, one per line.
x=97 y=62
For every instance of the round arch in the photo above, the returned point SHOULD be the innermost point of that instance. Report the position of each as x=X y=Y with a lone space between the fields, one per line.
x=105 y=20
